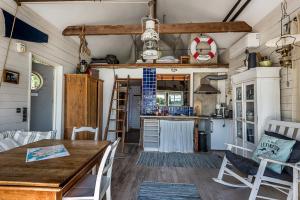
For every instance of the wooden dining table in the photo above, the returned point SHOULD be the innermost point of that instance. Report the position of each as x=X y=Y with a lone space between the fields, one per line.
x=47 y=179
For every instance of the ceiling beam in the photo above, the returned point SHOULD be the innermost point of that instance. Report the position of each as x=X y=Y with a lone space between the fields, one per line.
x=208 y=27
x=42 y=1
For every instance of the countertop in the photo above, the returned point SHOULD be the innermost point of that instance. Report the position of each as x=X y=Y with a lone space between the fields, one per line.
x=179 y=117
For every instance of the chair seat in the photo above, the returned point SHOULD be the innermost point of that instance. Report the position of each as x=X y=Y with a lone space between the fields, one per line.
x=85 y=188
x=250 y=167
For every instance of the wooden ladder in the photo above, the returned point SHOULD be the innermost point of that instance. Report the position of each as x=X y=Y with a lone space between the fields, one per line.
x=117 y=115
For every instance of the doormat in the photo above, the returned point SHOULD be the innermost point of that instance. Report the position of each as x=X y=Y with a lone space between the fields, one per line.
x=168 y=191
x=191 y=160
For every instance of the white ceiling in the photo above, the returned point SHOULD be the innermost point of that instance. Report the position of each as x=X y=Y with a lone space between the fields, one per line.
x=64 y=14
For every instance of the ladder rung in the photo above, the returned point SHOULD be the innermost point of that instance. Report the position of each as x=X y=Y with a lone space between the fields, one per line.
x=115 y=131
x=118 y=120
x=122 y=80
x=118 y=109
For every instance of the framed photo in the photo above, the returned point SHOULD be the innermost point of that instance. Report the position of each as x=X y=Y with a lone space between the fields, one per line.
x=11 y=76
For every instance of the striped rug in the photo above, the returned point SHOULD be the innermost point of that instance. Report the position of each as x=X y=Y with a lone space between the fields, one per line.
x=168 y=191
x=191 y=160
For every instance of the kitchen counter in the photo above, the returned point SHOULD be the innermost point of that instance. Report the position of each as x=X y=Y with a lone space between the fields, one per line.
x=170 y=117
x=153 y=123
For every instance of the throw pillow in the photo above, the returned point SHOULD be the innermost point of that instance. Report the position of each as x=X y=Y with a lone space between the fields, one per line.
x=275 y=149
x=7 y=144
x=295 y=155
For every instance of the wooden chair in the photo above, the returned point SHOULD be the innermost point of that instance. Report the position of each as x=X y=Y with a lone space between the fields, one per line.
x=258 y=174
x=95 y=187
x=85 y=129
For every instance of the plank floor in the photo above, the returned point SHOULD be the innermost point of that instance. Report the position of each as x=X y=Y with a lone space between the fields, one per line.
x=127 y=178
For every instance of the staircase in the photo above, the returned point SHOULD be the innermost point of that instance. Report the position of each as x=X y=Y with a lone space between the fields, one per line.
x=117 y=115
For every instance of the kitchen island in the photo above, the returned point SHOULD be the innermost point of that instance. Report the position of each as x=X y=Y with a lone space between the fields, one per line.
x=169 y=133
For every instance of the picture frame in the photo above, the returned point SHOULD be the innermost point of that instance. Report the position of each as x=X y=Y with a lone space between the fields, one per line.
x=11 y=76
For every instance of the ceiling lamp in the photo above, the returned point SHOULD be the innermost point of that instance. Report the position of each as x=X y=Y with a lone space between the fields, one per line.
x=150 y=36
x=285 y=43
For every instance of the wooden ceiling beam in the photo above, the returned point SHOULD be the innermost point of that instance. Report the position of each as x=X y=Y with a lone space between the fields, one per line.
x=207 y=27
x=158 y=65
x=47 y=1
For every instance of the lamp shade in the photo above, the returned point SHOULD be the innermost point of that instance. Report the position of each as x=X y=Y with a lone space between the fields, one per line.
x=283 y=40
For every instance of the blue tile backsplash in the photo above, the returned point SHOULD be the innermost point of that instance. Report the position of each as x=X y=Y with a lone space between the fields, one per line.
x=149 y=97
x=149 y=91
x=178 y=110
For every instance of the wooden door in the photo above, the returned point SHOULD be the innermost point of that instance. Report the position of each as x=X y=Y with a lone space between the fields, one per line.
x=75 y=102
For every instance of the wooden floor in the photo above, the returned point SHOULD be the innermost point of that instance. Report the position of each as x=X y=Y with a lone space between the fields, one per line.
x=127 y=178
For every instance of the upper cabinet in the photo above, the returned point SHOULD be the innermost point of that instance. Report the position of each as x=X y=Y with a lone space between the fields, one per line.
x=256 y=98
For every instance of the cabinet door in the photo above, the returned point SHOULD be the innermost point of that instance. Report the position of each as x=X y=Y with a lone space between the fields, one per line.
x=75 y=102
x=250 y=115
x=238 y=114
x=100 y=108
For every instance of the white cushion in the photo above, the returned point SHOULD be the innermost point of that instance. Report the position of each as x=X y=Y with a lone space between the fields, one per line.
x=7 y=144
x=7 y=134
x=24 y=138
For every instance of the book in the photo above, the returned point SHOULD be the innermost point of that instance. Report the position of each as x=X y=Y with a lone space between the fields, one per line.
x=45 y=153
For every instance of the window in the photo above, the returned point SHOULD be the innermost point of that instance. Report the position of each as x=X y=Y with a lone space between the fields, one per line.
x=36 y=81
x=175 y=99
x=169 y=98
x=161 y=98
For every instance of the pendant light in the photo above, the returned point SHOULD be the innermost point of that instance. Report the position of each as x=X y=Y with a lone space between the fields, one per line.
x=150 y=36
x=286 y=42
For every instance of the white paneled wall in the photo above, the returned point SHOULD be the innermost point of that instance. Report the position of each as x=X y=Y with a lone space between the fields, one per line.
x=59 y=49
x=269 y=28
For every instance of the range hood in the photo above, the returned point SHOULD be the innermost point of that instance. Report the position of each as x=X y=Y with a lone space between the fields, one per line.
x=205 y=86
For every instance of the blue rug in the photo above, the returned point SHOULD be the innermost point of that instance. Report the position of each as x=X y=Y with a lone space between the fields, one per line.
x=168 y=191
x=191 y=160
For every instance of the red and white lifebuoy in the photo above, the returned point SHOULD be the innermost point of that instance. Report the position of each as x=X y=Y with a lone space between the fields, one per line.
x=210 y=42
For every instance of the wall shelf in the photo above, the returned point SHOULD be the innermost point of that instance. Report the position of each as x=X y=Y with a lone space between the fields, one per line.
x=159 y=65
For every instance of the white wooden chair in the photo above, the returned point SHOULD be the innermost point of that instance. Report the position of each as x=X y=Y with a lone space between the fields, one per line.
x=85 y=129
x=77 y=131
x=285 y=183
x=95 y=187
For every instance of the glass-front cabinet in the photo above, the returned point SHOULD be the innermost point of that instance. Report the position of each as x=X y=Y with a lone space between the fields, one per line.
x=245 y=114
x=256 y=99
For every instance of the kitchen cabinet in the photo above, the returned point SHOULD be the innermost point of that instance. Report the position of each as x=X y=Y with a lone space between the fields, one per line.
x=256 y=98
x=221 y=133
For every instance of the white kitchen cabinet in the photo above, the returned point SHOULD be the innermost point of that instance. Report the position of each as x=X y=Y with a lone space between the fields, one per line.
x=221 y=133
x=256 y=98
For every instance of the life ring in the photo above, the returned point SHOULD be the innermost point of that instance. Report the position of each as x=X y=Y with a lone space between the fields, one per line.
x=210 y=42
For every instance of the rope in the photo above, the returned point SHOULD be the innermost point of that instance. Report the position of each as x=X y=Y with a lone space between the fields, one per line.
x=9 y=42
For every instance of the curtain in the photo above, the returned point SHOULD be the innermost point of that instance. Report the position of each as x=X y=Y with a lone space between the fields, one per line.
x=176 y=136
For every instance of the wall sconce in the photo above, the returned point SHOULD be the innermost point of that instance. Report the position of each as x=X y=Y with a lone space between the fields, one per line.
x=20 y=47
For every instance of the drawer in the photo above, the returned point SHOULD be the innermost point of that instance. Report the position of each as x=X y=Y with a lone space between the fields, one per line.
x=151 y=139
x=151 y=145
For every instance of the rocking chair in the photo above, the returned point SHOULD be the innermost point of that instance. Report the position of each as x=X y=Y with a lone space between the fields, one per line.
x=260 y=174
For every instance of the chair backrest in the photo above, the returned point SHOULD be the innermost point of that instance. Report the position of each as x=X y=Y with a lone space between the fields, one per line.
x=288 y=129
x=100 y=172
x=108 y=168
x=85 y=129
x=105 y=167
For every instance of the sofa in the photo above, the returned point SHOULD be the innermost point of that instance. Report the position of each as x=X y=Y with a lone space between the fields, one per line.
x=13 y=139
